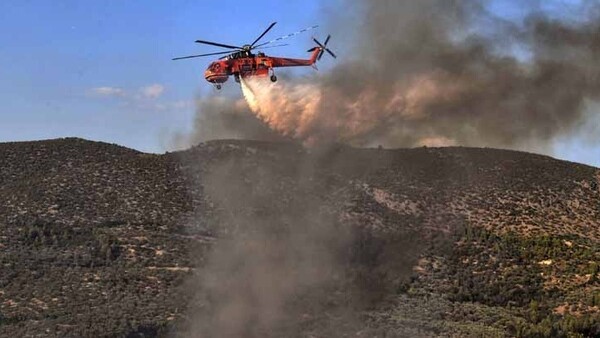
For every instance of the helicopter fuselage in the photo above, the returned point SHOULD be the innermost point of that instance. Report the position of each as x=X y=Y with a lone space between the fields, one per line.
x=245 y=64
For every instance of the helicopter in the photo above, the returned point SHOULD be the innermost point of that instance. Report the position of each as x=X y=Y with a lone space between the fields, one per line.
x=242 y=62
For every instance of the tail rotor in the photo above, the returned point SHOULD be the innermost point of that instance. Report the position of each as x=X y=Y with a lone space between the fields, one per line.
x=323 y=48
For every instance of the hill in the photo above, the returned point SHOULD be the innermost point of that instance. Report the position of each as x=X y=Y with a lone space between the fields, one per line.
x=257 y=239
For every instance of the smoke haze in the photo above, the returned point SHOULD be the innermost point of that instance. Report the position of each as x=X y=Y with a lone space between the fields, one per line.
x=278 y=252
x=222 y=118
x=429 y=72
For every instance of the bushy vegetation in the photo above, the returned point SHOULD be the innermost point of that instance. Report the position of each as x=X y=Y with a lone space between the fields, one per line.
x=532 y=276
x=99 y=240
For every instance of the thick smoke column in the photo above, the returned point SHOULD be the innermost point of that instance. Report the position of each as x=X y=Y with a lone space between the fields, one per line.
x=278 y=251
x=424 y=73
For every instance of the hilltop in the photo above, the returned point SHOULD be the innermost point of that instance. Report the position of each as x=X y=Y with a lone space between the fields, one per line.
x=271 y=239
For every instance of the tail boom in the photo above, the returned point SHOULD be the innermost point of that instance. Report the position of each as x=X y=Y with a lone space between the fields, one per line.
x=288 y=62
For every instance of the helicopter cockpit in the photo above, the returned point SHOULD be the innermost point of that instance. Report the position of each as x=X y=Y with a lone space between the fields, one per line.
x=216 y=73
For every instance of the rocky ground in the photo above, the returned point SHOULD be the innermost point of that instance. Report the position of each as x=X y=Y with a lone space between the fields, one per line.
x=256 y=239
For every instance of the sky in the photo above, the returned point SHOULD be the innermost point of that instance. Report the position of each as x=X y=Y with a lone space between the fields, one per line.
x=102 y=70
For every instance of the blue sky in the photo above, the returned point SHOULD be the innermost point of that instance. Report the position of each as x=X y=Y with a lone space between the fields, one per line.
x=102 y=69
x=55 y=55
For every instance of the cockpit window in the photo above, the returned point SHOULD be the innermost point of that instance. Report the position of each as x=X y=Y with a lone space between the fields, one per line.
x=215 y=67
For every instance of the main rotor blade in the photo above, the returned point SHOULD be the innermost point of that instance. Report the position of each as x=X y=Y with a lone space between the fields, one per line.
x=263 y=34
x=285 y=44
x=218 y=44
x=267 y=47
x=200 y=55
x=287 y=36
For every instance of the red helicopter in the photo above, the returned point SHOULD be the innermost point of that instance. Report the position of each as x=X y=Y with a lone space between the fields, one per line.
x=241 y=62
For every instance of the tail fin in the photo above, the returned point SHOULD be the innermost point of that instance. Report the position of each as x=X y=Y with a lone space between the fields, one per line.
x=321 y=48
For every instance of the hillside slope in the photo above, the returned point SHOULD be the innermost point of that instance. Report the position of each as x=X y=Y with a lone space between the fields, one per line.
x=255 y=239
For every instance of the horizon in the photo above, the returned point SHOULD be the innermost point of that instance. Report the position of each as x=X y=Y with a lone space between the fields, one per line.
x=103 y=71
x=292 y=141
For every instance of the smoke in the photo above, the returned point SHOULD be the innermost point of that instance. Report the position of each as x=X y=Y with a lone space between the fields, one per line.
x=219 y=117
x=438 y=72
x=278 y=252
x=295 y=110
x=435 y=71
x=291 y=255
x=428 y=72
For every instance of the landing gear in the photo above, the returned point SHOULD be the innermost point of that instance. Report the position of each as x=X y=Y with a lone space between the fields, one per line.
x=218 y=87
x=236 y=77
x=273 y=76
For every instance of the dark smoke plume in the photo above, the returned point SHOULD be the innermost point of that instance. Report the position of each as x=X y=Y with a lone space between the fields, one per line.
x=448 y=81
